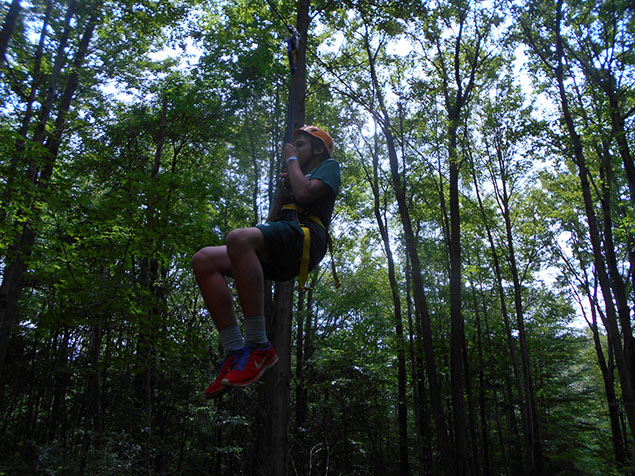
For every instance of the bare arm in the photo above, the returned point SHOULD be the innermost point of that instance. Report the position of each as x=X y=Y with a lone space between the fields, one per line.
x=304 y=190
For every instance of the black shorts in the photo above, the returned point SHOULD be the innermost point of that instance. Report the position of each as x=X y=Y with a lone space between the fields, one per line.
x=284 y=241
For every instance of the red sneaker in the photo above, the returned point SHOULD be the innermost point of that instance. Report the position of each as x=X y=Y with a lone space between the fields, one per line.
x=216 y=388
x=250 y=366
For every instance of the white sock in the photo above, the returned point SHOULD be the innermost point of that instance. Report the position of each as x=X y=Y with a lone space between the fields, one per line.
x=231 y=339
x=255 y=331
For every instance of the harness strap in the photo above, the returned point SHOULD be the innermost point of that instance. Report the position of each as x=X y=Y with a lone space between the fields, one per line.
x=306 y=245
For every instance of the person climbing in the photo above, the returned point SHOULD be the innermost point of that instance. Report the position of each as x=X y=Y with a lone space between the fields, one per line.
x=290 y=243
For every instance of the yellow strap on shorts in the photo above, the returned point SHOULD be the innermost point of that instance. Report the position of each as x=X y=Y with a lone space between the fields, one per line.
x=306 y=254
x=306 y=245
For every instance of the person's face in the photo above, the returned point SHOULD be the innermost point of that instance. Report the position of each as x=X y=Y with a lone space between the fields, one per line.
x=302 y=143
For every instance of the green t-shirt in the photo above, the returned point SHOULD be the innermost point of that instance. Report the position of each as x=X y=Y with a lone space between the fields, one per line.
x=328 y=172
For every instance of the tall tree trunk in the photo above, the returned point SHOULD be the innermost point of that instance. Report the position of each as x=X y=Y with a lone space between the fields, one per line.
x=402 y=408
x=421 y=303
x=256 y=190
x=609 y=389
x=623 y=354
x=92 y=417
x=418 y=385
x=18 y=159
x=621 y=340
x=20 y=251
x=457 y=82
x=51 y=90
x=9 y=25
x=17 y=264
x=61 y=381
x=278 y=379
x=481 y=385
x=278 y=382
x=621 y=137
x=302 y=315
x=533 y=440
x=607 y=370
x=303 y=343
x=604 y=72
x=508 y=328
x=471 y=412
x=619 y=287
x=149 y=275
x=534 y=445
x=606 y=179
x=602 y=148
x=457 y=333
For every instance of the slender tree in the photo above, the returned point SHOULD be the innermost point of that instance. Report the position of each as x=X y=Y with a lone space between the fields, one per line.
x=383 y=117
x=39 y=177
x=612 y=288
x=506 y=166
x=381 y=219
x=8 y=26
x=280 y=316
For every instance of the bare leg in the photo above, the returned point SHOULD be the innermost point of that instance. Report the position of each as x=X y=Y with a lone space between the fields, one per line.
x=211 y=264
x=240 y=258
x=245 y=248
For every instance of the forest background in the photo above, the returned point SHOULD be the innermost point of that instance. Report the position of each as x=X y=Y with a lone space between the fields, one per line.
x=484 y=236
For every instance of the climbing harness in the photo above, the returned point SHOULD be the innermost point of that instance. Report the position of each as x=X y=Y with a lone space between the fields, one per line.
x=300 y=212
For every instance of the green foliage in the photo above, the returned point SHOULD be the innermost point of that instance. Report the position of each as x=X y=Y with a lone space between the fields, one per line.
x=110 y=303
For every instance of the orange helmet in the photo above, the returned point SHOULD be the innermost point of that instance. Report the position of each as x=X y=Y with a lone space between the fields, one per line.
x=318 y=134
